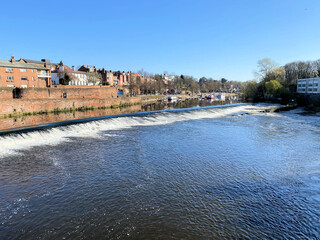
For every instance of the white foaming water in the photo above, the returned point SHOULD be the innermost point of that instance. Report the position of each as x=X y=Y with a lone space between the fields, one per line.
x=11 y=144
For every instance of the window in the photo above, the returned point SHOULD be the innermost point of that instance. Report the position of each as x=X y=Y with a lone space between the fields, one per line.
x=9 y=69
x=310 y=89
x=9 y=78
x=31 y=70
x=32 y=85
x=316 y=84
x=24 y=78
x=23 y=70
x=10 y=85
x=24 y=86
x=315 y=89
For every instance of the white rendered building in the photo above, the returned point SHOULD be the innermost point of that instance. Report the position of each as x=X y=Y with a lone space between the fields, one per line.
x=308 y=86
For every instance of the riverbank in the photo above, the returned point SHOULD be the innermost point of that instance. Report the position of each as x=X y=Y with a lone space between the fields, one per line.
x=155 y=98
x=26 y=107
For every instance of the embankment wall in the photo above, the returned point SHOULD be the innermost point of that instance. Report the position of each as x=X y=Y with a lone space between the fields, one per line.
x=71 y=92
x=6 y=93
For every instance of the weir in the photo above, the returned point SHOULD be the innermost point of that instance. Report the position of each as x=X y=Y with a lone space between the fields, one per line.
x=13 y=142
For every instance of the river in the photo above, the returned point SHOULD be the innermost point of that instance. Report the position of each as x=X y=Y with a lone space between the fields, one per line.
x=215 y=172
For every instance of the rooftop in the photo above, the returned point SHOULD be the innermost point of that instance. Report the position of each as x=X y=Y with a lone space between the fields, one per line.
x=5 y=63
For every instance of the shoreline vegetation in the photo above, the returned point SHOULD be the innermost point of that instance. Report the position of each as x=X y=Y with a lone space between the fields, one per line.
x=278 y=84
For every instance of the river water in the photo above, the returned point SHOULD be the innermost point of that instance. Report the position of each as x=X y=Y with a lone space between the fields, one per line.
x=223 y=172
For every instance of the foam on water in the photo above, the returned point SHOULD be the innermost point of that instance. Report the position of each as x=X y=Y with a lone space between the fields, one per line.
x=12 y=143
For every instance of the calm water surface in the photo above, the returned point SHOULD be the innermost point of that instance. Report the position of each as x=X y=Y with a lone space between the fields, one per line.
x=229 y=172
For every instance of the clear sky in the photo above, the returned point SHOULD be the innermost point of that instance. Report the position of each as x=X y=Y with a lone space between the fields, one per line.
x=209 y=38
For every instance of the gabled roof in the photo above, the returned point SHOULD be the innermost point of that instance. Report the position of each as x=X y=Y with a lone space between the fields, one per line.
x=37 y=62
x=5 y=63
x=32 y=61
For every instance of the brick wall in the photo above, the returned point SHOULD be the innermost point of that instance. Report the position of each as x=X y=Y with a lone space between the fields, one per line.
x=58 y=93
x=6 y=93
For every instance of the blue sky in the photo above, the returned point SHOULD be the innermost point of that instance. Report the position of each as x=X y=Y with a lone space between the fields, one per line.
x=194 y=37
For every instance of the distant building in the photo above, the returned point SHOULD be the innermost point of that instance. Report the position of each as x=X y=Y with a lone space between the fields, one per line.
x=87 y=68
x=119 y=78
x=25 y=73
x=76 y=77
x=167 y=77
x=308 y=86
x=106 y=76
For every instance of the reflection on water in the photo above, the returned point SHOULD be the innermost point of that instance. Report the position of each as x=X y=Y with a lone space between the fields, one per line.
x=27 y=121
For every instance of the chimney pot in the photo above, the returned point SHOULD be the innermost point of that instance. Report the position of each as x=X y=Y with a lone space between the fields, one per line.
x=12 y=59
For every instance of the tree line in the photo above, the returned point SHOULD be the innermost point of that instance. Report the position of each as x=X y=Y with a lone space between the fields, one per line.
x=278 y=82
x=155 y=83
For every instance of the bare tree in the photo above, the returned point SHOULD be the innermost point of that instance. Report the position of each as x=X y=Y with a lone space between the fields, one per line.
x=94 y=78
x=265 y=66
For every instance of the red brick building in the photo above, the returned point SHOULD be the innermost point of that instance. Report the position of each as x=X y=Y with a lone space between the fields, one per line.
x=107 y=77
x=23 y=75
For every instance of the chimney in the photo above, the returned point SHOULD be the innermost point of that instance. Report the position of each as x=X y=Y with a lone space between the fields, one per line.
x=73 y=68
x=88 y=66
x=45 y=60
x=12 y=59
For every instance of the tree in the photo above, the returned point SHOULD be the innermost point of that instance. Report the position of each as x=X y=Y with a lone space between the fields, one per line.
x=65 y=74
x=65 y=80
x=250 y=90
x=265 y=66
x=275 y=74
x=94 y=78
x=273 y=87
x=223 y=80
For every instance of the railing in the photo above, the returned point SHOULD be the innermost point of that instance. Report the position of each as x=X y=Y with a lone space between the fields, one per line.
x=44 y=75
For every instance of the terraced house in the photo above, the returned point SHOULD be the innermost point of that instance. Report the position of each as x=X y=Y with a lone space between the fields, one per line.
x=24 y=74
